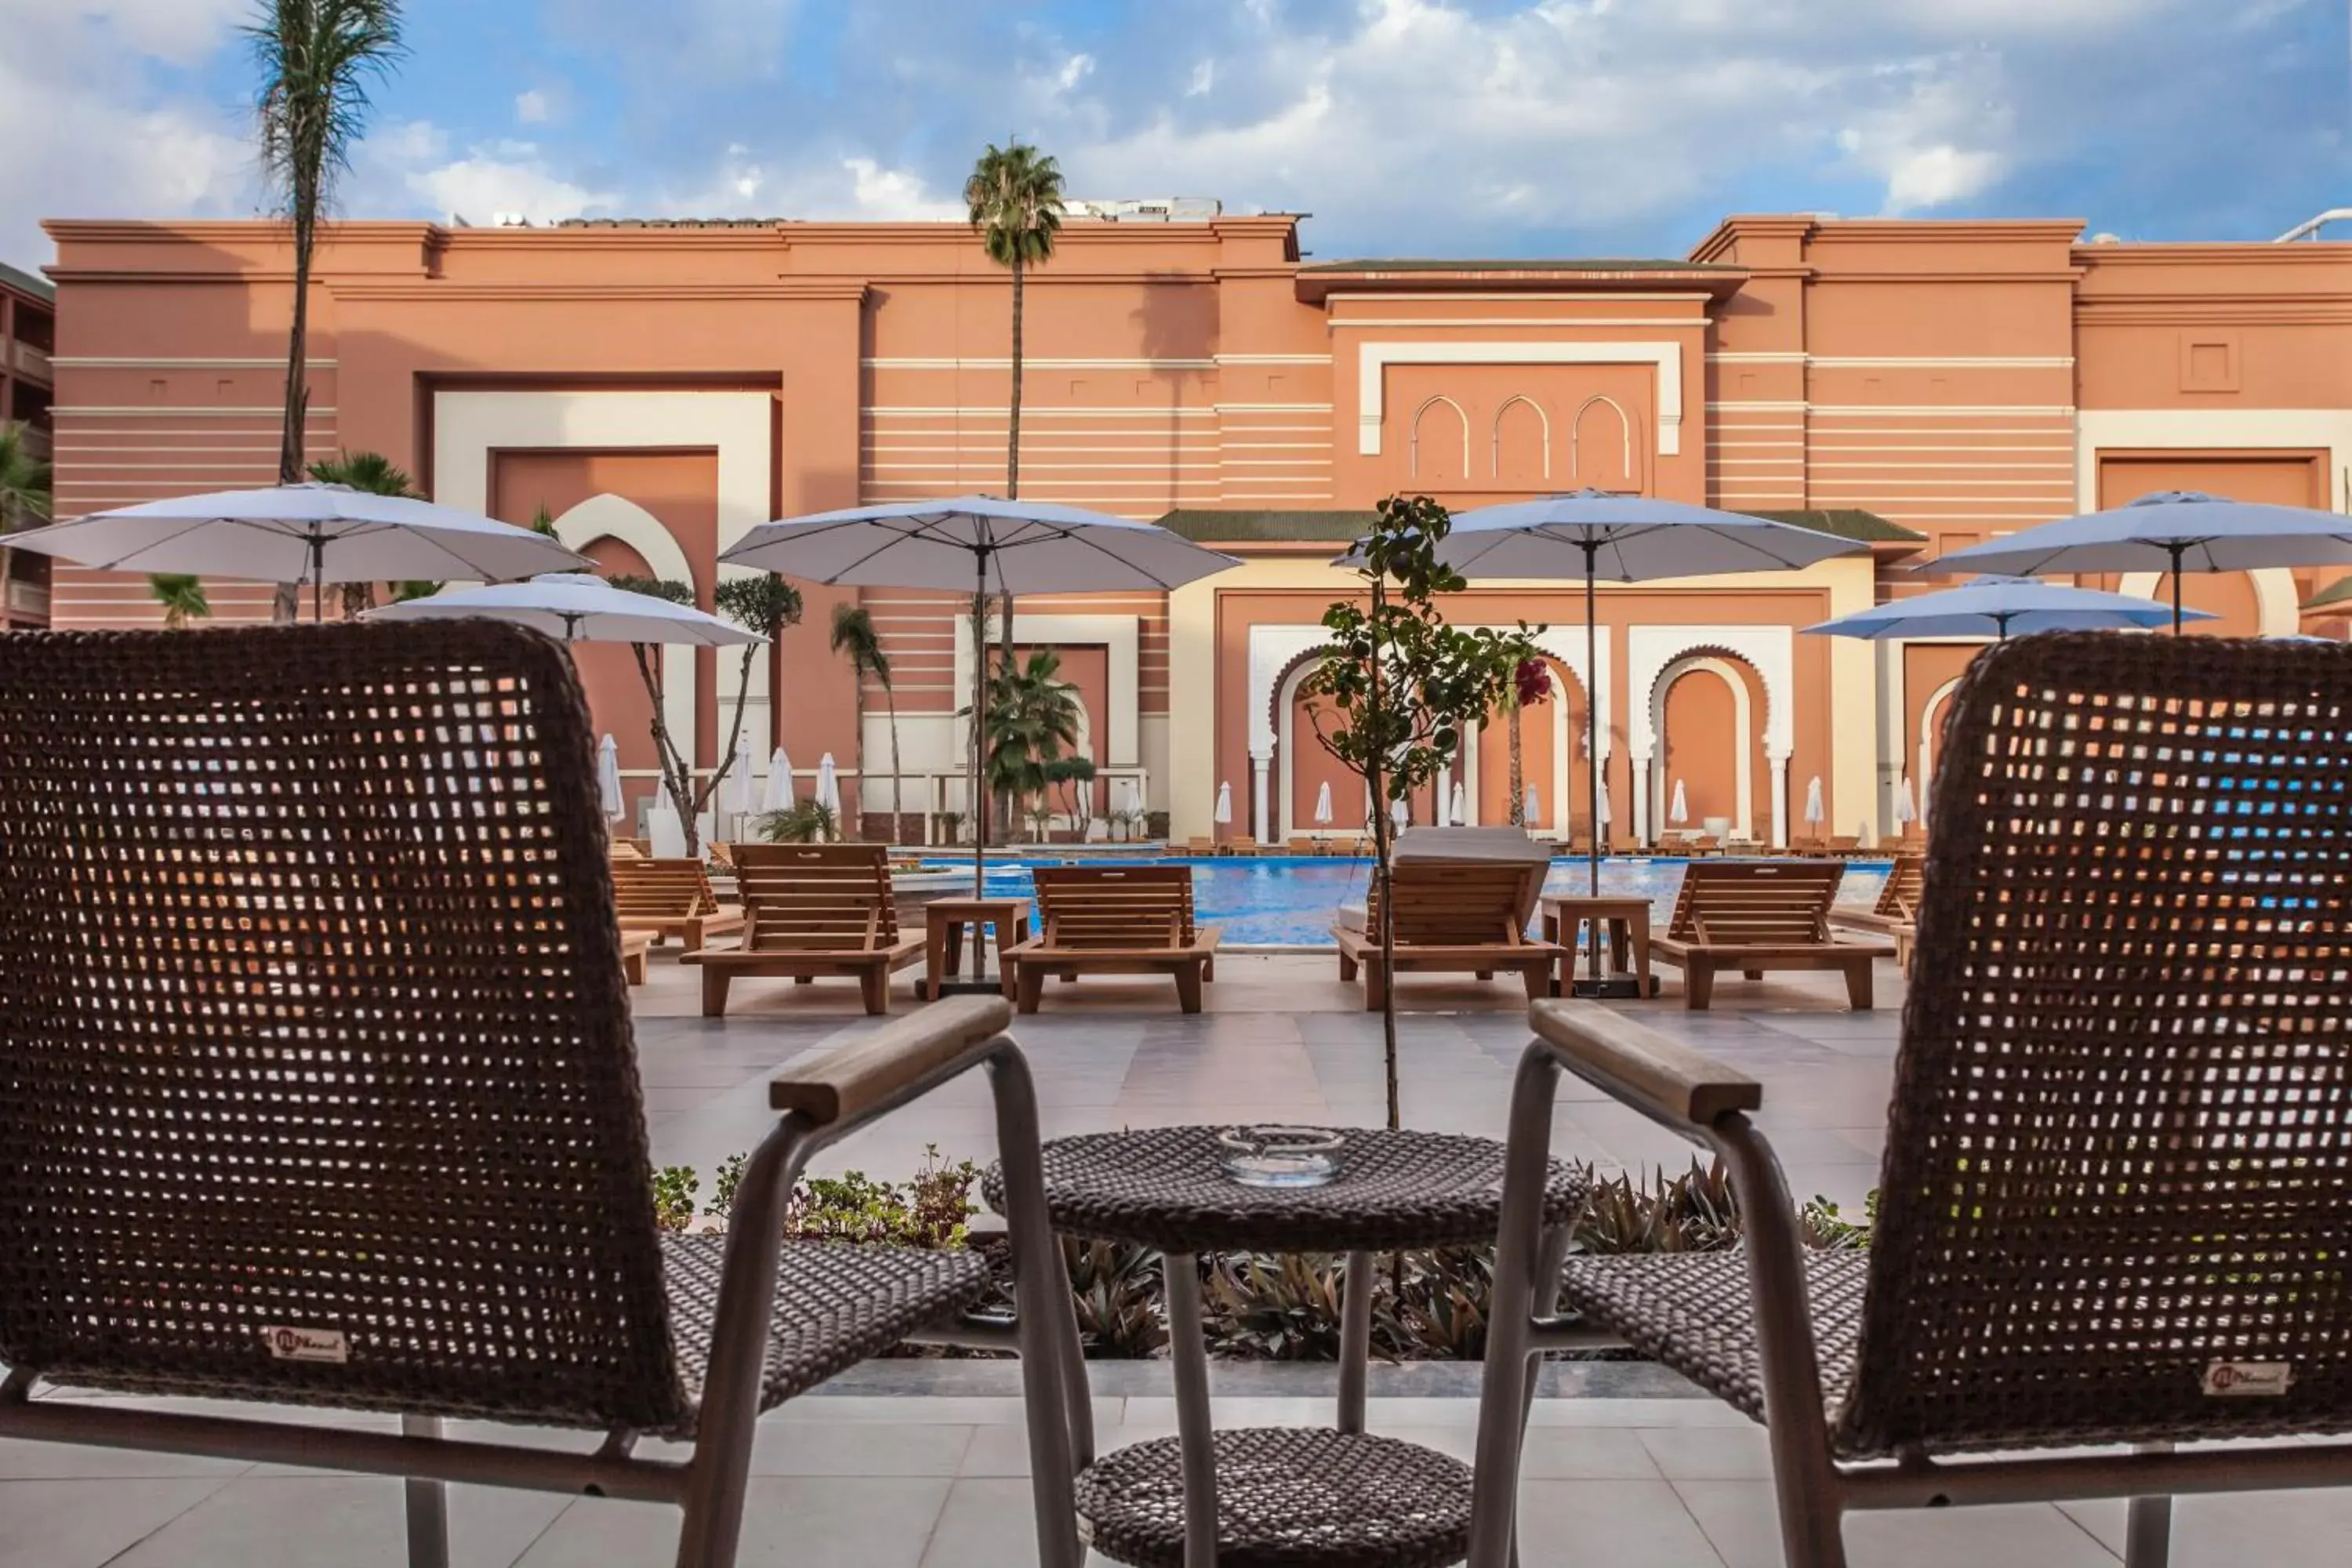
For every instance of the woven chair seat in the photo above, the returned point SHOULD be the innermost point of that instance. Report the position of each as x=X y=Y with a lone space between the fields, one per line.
x=1166 y=1187
x=1288 y=1496
x=838 y=1303
x=1692 y=1312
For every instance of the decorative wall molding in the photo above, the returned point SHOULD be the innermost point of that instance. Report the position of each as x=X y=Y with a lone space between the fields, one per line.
x=610 y=516
x=1373 y=359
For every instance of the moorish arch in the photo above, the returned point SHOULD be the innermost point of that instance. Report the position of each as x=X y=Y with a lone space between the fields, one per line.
x=1552 y=756
x=1600 y=444
x=1520 y=444
x=1769 y=651
x=1706 y=707
x=1440 y=444
x=608 y=516
x=1931 y=742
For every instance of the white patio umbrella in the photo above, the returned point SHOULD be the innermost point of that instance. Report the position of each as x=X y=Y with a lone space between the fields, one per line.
x=1594 y=534
x=1531 y=808
x=828 y=786
x=966 y=544
x=1997 y=606
x=736 y=794
x=1223 y=816
x=1815 y=811
x=778 y=795
x=1907 y=804
x=1400 y=815
x=2170 y=532
x=1601 y=814
x=312 y=532
x=1323 y=806
x=608 y=778
x=574 y=606
x=1678 y=809
x=1458 y=812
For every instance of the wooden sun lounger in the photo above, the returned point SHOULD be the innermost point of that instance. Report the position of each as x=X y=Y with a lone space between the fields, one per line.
x=1202 y=847
x=1757 y=915
x=1898 y=899
x=812 y=909
x=636 y=955
x=671 y=899
x=1453 y=916
x=1115 y=919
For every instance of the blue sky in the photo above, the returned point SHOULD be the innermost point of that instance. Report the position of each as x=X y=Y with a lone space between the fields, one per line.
x=1439 y=126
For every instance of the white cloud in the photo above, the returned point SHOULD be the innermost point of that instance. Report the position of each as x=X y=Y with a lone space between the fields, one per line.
x=1204 y=77
x=1075 y=70
x=531 y=107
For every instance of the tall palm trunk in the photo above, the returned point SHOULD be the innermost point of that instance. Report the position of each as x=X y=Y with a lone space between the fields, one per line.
x=1519 y=787
x=1012 y=448
x=898 y=775
x=284 y=604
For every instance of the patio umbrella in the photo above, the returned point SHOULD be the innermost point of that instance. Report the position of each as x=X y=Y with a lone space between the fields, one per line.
x=312 y=532
x=1999 y=605
x=778 y=795
x=1601 y=809
x=1458 y=812
x=2171 y=531
x=1815 y=812
x=1907 y=804
x=608 y=778
x=1223 y=816
x=1323 y=806
x=963 y=544
x=1678 y=809
x=735 y=791
x=828 y=786
x=574 y=606
x=1594 y=534
x=1400 y=815
x=1531 y=808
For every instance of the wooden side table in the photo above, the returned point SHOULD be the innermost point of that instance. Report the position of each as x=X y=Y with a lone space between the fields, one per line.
x=1626 y=922
x=943 y=923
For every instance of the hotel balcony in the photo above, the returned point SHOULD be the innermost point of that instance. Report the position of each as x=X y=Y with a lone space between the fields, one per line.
x=31 y=362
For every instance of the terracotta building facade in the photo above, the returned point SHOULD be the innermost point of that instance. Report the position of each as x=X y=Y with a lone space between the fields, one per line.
x=661 y=388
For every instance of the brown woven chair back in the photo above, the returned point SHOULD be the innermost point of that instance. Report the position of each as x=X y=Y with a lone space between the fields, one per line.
x=316 y=1077
x=1116 y=908
x=2117 y=1193
x=818 y=898
x=1754 y=903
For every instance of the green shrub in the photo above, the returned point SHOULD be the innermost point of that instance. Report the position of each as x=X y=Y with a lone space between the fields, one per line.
x=1115 y=1287
x=930 y=1212
x=674 y=1190
x=803 y=822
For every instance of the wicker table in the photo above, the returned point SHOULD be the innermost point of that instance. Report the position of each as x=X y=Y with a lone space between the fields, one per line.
x=943 y=923
x=1304 y=1498
x=1624 y=919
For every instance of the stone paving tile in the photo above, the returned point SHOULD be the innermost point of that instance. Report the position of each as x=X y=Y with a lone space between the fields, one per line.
x=84 y=1524
x=1742 y=1524
x=300 y=1521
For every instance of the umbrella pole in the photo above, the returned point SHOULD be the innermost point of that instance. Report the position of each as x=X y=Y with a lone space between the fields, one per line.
x=1594 y=984
x=978 y=739
x=318 y=578
x=2176 y=550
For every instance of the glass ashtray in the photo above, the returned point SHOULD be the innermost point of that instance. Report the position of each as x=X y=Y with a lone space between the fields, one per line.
x=1281 y=1156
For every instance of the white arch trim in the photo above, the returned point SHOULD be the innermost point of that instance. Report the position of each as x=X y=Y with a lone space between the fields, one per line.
x=1770 y=651
x=609 y=516
x=1495 y=439
x=1624 y=436
x=1743 y=722
x=1412 y=465
x=1373 y=359
x=1927 y=717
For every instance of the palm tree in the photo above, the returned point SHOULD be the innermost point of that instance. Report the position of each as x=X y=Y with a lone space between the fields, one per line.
x=183 y=599
x=24 y=496
x=1014 y=202
x=377 y=475
x=1032 y=714
x=854 y=638
x=317 y=57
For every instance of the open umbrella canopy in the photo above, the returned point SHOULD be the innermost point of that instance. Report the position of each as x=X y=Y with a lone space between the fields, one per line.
x=576 y=607
x=2170 y=530
x=307 y=532
x=1630 y=539
x=1023 y=546
x=2003 y=607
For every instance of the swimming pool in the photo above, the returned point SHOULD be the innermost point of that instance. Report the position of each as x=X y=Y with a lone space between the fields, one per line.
x=1290 y=900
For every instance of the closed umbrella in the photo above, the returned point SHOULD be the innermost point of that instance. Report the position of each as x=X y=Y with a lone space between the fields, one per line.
x=1594 y=534
x=1815 y=812
x=1531 y=810
x=1678 y=809
x=2170 y=532
x=1907 y=804
x=1602 y=813
x=1223 y=815
x=312 y=532
x=778 y=795
x=1323 y=806
x=1399 y=815
x=977 y=545
x=828 y=786
x=1459 y=812
x=608 y=779
x=1997 y=607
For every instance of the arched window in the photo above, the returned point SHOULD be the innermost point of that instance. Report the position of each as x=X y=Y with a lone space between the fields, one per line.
x=1440 y=441
x=1521 y=456
x=1601 y=446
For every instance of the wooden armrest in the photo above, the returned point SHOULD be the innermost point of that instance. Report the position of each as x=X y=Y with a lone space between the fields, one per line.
x=867 y=1074
x=1658 y=1076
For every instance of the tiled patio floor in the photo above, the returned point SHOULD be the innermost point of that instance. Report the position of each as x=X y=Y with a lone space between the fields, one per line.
x=892 y=1480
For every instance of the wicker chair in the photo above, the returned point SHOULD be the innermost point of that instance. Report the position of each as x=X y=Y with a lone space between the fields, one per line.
x=2117 y=1200
x=319 y=1091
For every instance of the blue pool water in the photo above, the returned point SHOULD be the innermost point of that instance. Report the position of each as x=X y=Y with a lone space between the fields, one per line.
x=1286 y=901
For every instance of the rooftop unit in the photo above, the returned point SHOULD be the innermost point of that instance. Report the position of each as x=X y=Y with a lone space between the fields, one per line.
x=1149 y=209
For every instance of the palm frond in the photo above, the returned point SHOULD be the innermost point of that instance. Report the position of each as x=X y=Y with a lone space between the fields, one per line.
x=854 y=638
x=370 y=471
x=24 y=480
x=317 y=59
x=1013 y=201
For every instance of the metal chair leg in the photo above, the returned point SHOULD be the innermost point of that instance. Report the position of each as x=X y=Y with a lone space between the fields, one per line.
x=2147 y=1526
x=427 y=1504
x=1196 y=1437
x=1046 y=1326
x=1355 y=1341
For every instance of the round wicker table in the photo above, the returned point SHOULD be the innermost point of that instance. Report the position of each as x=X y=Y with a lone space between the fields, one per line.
x=1277 y=1497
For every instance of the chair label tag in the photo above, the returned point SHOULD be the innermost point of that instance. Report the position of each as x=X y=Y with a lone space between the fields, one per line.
x=2247 y=1379
x=309 y=1344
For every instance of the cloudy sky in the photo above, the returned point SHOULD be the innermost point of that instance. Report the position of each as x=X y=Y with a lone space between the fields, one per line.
x=1460 y=127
